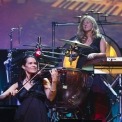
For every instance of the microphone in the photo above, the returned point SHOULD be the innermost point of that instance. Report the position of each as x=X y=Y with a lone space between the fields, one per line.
x=18 y=28
x=12 y=29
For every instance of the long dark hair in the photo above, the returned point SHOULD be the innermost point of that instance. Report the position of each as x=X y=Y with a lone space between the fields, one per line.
x=23 y=62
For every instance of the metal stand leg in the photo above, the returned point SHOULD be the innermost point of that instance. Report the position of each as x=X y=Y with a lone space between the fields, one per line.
x=118 y=116
x=56 y=114
x=120 y=97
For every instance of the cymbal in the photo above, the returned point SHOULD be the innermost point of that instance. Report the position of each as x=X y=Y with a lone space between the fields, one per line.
x=75 y=42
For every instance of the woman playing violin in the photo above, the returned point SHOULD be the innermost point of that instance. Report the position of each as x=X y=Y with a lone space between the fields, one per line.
x=33 y=93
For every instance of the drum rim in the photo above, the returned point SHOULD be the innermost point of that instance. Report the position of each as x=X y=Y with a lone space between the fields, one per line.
x=70 y=69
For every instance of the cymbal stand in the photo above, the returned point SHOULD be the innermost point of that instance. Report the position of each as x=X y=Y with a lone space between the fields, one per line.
x=70 y=55
x=119 y=100
x=109 y=87
x=120 y=97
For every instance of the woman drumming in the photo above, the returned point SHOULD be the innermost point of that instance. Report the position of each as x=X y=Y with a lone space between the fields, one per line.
x=88 y=33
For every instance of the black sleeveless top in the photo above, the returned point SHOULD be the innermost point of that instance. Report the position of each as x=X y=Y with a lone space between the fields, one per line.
x=33 y=107
x=83 y=52
x=36 y=91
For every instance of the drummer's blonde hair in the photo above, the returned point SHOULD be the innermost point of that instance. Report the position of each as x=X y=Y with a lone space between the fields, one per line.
x=95 y=31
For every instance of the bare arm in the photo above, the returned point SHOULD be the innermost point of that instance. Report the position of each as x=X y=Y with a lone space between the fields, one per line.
x=51 y=88
x=103 y=46
x=9 y=92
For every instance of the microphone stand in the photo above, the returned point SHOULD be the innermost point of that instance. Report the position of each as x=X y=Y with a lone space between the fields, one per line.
x=9 y=60
x=7 y=63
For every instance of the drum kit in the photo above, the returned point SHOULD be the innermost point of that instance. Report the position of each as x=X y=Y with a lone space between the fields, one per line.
x=74 y=85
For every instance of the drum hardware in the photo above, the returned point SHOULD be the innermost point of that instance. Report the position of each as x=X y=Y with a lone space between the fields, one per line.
x=56 y=114
x=49 y=65
x=70 y=57
x=109 y=86
x=53 y=53
x=91 y=11
x=51 y=62
x=50 y=57
x=112 y=66
x=119 y=100
x=79 y=18
x=41 y=55
x=29 y=45
x=38 y=44
x=63 y=80
x=42 y=46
